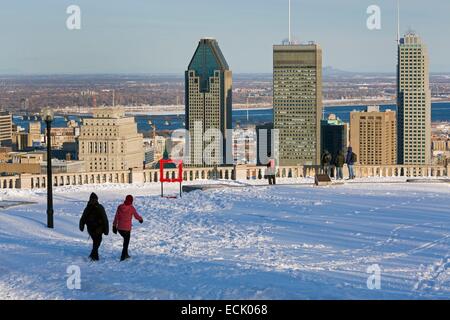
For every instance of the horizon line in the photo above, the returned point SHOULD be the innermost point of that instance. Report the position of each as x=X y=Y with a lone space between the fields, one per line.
x=35 y=74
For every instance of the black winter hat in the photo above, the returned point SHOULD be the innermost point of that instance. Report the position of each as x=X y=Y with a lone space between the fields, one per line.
x=93 y=197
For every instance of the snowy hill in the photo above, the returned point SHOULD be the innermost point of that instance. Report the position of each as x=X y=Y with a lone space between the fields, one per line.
x=248 y=242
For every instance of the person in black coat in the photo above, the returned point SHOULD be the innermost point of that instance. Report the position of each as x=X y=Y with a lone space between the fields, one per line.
x=94 y=217
x=340 y=161
x=351 y=159
x=326 y=162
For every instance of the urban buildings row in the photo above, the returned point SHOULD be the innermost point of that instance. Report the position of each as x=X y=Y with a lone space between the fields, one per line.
x=377 y=137
x=110 y=141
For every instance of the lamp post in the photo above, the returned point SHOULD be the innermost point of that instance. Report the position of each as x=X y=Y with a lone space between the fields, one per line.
x=48 y=116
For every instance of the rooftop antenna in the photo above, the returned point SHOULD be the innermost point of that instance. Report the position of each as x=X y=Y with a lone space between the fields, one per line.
x=398 y=22
x=290 y=34
x=114 y=98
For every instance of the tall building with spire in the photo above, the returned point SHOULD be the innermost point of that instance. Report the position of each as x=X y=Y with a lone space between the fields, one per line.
x=208 y=103
x=413 y=101
x=297 y=101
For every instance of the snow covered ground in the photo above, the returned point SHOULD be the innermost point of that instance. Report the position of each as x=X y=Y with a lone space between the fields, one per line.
x=247 y=242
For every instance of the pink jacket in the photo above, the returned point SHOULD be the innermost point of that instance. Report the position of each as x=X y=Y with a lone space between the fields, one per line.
x=124 y=215
x=271 y=169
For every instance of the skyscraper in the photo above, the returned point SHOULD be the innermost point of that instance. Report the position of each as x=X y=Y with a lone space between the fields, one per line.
x=297 y=102
x=373 y=136
x=208 y=103
x=414 y=101
x=5 y=128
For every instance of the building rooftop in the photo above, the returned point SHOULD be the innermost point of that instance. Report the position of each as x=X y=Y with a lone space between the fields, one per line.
x=296 y=46
x=109 y=112
x=207 y=59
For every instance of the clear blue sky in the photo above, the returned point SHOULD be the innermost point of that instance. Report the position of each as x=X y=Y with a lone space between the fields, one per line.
x=159 y=36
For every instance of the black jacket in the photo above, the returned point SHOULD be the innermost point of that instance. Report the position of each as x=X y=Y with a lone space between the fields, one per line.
x=326 y=159
x=94 y=217
x=340 y=160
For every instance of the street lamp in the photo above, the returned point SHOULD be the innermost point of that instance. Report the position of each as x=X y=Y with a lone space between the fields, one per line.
x=48 y=116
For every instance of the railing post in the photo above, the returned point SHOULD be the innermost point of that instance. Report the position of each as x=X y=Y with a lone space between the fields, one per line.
x=25 y=181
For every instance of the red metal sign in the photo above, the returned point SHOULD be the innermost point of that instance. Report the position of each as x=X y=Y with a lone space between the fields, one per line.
x=163 y=178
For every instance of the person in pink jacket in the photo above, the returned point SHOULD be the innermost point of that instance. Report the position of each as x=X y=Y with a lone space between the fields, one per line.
x=122 y=223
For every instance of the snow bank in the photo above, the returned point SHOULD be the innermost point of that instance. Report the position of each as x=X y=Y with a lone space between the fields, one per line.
x=252 y=242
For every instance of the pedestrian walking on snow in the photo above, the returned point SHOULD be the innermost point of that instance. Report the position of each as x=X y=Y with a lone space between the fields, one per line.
x=94 y=217
x=123 y=223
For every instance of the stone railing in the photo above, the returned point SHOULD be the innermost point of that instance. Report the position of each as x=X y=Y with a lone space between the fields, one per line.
x=139 y=176
x=409 y=171
x=9 y=182
x=189 y=174
x=29 y=181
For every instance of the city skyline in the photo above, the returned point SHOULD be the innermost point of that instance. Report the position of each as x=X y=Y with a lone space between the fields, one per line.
x=321 y=172
x=110 y=39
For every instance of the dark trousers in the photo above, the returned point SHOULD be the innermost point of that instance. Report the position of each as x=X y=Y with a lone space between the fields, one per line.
x=271 y=179
x=96 y=242
x=126 y=241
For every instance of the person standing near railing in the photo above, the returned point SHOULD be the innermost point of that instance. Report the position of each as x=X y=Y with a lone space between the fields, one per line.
x=326 y=163
x=340 y=161
x=271 y=170
x=351 y=160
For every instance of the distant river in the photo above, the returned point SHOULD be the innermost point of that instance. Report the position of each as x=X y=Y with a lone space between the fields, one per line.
x=440 y=112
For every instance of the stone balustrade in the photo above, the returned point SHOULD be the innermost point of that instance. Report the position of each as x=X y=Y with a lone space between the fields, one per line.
x=10 y=182
x=29 y=181
x=139 y=176
x=409 y=171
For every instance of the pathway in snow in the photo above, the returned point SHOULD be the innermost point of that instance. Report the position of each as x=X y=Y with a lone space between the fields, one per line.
x=284 y=242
